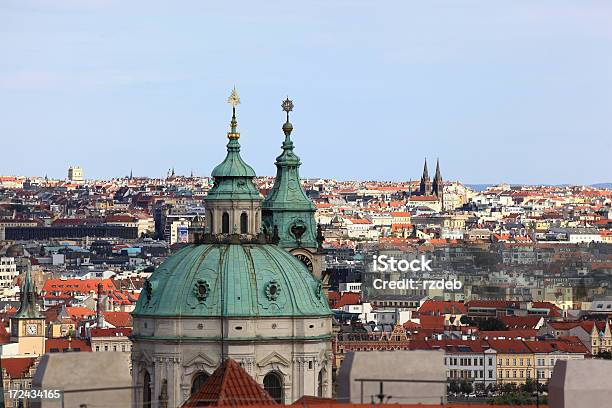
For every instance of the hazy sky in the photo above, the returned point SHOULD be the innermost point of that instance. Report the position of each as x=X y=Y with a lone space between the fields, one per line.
x=515 y=91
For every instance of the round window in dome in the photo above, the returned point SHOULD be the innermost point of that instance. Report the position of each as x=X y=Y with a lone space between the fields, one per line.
x=272 y=290
x=200 y=290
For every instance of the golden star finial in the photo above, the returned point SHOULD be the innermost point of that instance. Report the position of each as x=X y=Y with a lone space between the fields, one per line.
x=234 y=99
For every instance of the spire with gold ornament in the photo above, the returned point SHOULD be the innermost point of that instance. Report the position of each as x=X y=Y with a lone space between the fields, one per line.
x=287 y=207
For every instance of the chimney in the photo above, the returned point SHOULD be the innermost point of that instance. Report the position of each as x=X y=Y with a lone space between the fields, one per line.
x=99 y=308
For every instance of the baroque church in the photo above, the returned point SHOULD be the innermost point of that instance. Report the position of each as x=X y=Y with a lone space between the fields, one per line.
x=246 y=288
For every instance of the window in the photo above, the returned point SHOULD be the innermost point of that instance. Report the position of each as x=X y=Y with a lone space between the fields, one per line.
x=199 y=379
x=244 y=223
x=97 y=348
x=225 y=228
x=273 y=385
x=320 y=385
x=146 y=390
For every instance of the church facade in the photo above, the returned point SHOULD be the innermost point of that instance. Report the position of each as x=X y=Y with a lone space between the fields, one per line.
x=238 y=292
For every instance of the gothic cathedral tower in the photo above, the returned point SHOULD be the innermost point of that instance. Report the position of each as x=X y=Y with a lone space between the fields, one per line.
x=425 y=185
x=288 y=212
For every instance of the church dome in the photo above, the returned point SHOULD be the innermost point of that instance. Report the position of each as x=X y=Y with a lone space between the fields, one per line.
x=232 y=280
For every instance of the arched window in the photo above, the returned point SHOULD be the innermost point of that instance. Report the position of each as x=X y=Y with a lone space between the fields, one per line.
x=225 y=223
x=274 y=386
x=244 y=223
x=212 y=222
x=198 y=379
x=320 y=384
x=146 y=390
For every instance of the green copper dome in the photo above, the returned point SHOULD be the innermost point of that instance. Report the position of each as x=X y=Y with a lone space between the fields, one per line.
x=232 y=280
x=233 y=165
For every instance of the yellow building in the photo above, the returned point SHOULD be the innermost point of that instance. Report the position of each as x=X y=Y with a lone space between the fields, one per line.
x=515 y=361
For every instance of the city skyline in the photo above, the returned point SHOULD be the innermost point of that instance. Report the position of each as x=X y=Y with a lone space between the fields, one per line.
x=486 y=89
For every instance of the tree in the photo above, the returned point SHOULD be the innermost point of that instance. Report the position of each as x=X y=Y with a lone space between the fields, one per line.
x=466 y=387
x=529 y=386
x=453 y=386
x=479 y=387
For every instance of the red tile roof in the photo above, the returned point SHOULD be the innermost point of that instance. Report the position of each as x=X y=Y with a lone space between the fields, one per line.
x=230 y=384
x=18 y=367
x=118 y=319
x=61 y=345
x=508 y=334
x=123 y=331
x=348 y=298
x=521 y=322
x=437 y=307
x=77 y=285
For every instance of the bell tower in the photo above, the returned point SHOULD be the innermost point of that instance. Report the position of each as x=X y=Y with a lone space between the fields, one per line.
x=287 y=210
x=233 y=204
x=28 y=325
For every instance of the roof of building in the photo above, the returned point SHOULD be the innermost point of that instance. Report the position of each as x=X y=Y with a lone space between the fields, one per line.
x=231 y=385
x=65 y=345
x=436 y=307
x=213 y=280
x=116 y=332
x=118 y=319
x=18 y=367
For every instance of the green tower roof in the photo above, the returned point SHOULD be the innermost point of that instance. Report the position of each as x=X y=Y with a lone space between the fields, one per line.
x=230 y=280
x=287 y=207
x=287 y=193
x=27 y=306
x=233 y=178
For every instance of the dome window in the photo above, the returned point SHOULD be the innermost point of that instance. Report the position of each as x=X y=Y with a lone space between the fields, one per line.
x=200 y=290
x=272 y=290
x=244 y=223
x=225 y=223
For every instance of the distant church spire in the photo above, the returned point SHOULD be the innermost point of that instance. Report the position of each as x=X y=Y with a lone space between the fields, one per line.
x=437 y=185
x=27 y=299
x=425 y=185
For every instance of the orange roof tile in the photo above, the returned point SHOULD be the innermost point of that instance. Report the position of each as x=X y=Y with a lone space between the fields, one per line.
x=231 y=385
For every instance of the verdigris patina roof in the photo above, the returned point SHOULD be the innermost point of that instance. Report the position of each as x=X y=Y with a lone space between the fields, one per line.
x=232 y=280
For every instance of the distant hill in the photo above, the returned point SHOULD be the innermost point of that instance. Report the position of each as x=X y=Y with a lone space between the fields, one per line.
x=602 y=185
x=479 y=187
x=483 y=187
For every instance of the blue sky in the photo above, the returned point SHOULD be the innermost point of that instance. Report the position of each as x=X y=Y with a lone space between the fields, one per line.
x=515 y=91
